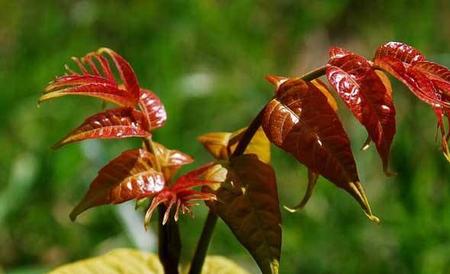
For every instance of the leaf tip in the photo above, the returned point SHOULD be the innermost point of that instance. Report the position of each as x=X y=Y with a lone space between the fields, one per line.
x=357 y=191
x=73 y=215
x=373 y=218
x=291 y=209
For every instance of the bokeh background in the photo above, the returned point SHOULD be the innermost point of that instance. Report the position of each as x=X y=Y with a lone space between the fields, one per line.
x=207 y=60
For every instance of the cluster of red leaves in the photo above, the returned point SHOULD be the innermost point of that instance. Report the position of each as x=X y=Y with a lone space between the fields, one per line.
x=138 y=173
x=302 y=118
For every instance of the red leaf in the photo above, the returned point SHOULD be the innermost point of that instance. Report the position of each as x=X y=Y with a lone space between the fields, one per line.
x=301 y=122
x=113 y=123
x=399 y=51
x=153 y=109
x=90 y=87
x=414 y=79
x=129 y=176
x=181 y=195
x=97 y=80
x=429 y=81
x=365 y=94
x=126 y=72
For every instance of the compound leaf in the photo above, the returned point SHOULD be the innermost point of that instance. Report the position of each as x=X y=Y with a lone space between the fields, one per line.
x=301 y=122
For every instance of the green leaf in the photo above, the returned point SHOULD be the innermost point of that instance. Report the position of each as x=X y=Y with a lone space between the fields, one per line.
x=129 y=261
x=248 y=203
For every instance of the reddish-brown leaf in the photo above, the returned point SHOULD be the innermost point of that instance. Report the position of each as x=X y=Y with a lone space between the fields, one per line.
x=126 y=72
x=97 y=80
x=113 y=123
x=399 y=51
x=129 y=176
x=181 y=196
x=248 y=203
x=429 y=81
x=301 y=122
x=89 y=87
x=152 y=108
x=414 y=79
x=366 y=95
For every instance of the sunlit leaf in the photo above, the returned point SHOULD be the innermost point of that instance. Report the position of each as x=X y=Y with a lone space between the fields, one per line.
x=113 y=123
x=129 y=176
x=429 y=81
x=153 y=108
x=222 y=144
x=119 y=261
x=301 y=122
x=219 y=265
x=97 y=79
x=90 y=87
x=399 y=51
x=248 y=204
x=366 y=95
x=130 y=261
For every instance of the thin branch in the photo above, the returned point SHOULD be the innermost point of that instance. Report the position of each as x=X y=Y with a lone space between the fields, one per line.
x=203 y=243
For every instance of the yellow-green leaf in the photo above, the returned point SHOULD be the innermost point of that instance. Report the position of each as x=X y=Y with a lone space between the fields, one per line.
x=130 y=261
x=221 y=144
x=123 y=261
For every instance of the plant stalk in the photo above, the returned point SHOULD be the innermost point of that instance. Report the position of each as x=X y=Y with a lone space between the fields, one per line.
x=211 y=220
x=169 y=243
x=203 y=243
x=318 y=72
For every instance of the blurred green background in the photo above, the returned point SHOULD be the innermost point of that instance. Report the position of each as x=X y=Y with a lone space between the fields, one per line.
x=207 y=61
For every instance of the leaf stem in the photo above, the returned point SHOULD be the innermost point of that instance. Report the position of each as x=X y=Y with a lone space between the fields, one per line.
x=169 y=242
x=203 y=243
x=248 y=135
x=318 y=72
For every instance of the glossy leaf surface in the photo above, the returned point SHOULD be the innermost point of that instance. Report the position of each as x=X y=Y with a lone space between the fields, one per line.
x=248 y=204
x=113 y=123
x=129 y=176
x=427 y=80
x=153 y=108
x=97 y=79
x=301 y=122
x=222 y=144
x=366 y=95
